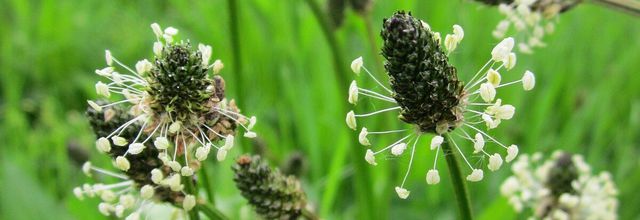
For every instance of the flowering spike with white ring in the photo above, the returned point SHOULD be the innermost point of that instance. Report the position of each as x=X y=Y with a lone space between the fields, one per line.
x=431 y=100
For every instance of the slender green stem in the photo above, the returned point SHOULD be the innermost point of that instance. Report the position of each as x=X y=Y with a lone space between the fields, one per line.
x=338 y=59
x=308 y=214
x=371 y=36
x=235 y=45
x=631 y=7
x=457 y=179
x=191 y=189
x=211 y=212
x=362 y=183
x=207 y=184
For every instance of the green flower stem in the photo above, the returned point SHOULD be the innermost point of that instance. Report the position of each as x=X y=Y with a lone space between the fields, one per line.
x=371 y=36
x=459 y=188
x=629 y=6
x=362 y=186
x=235 y=45
x=341 y=74
x=191 y=189
x=308 y=214
x=207 y=184
x=211 y=212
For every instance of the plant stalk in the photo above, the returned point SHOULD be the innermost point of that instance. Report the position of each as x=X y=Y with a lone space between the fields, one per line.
x=362 y=186
x=309 y=215
x=371 y=36
x=458 y=181
x=341 y=75
x=631 y=7
x=235 y=46
x=191 y=189
x=210 y=212
x=207 y=185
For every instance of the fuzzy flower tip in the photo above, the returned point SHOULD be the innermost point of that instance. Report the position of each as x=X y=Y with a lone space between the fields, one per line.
x=160 y=118
x=561 y=187
x=432 y=100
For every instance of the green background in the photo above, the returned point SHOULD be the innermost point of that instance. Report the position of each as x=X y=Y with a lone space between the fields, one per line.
x=587 y=99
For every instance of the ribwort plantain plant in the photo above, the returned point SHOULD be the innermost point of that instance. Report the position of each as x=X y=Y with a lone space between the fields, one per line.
x=430 y=98
x=168 y=116
x=562 y=187
x=533 y=19
x=273 y=194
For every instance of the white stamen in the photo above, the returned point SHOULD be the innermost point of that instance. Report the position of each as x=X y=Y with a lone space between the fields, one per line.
x=102 y=89
x=353 y=92
x=478 y=144
x=475 y=176
x=136 y=148
x=436 y=141
x=217 y=66
x=501 y=51
x=487 y=92
x=161 y=143
x=122 y=163
x=157 y=49
x=493 y=77
x=398 y=149
x=362 y=137
x=433 y=177
x=356 y=65
x=528 y=80
x=495 y=161
x=222 y=154
x=351 y=120
x=108 y=57
x=402 y=192
x=370 y=157
x=156 y=30
x=103 y=145
x=512 y=152
x=189 y=202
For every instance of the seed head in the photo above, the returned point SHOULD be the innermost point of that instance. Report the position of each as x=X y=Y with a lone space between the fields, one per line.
x=425 y=86
x=272 y=194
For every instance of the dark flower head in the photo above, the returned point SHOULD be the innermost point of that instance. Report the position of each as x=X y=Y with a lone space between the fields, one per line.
x=424 y=84
x=561 y=175
x=272 y=194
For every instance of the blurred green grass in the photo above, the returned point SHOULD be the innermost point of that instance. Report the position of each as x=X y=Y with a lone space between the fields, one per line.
x=587 y=98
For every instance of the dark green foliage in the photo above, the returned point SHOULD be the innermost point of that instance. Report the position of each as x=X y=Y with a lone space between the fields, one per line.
x=424 y=84
x=272 y=194
x=178 y=83
x=561 y=175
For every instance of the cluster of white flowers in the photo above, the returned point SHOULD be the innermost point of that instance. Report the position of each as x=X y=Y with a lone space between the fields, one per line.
x=490 y=111
x=530 y=24
x=594 y=196
x=124 y=197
